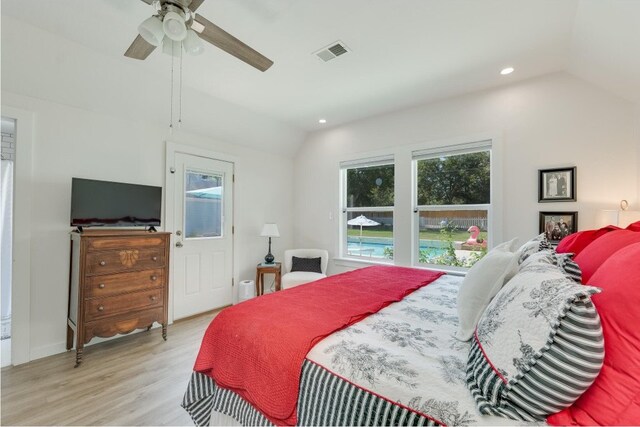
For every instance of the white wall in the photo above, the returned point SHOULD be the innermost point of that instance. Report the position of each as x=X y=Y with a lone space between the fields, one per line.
x=552 y=121
x=637 y=205
x=100 y=117
x=74 y=142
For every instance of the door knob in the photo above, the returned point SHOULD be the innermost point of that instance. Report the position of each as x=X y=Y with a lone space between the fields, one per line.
x=179 y=244
x=178 y=233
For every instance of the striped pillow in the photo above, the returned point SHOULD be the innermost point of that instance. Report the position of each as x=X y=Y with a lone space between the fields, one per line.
x=537 y=347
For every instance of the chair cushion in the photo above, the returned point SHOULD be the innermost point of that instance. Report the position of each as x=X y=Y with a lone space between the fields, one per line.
x=312 y=265
x=296 y=278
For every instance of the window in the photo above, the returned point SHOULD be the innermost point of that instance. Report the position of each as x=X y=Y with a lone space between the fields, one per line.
x=453 y=204
x=203 y=205
x=368 y=202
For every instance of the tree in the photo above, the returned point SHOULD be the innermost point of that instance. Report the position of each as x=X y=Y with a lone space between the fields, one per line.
x=370 y=186
x=455 y=180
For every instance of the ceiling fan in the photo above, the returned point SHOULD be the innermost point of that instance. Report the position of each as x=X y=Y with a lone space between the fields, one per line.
x=176 y=23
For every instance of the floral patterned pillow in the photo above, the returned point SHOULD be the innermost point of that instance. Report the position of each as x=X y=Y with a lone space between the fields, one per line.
x=537 y=244
x=563 y=261
x=538 y=345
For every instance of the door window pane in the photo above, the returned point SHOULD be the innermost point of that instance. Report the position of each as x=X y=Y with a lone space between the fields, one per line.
x=370 y=234
x=203 y=205
x=452 y=237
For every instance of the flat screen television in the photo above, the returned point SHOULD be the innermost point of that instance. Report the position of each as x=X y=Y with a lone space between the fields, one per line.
x=115 y=204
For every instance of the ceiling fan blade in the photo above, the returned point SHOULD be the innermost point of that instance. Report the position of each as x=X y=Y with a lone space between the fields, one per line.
x=139 y=49
x=218 y=37
x=148 y=1
x=195 y=4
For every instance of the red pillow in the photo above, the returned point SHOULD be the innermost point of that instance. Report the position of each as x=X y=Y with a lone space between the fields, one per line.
x=634 y=226
x=576 y=242
x=614 y=398
x=602 y=248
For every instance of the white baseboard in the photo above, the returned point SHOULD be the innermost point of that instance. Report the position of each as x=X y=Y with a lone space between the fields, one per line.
x=47 y=350
x=61 y=347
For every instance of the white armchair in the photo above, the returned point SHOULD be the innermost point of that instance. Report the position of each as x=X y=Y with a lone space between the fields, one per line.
x=295 y=278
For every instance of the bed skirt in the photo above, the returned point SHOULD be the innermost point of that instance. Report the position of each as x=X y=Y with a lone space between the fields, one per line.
x=324 y=399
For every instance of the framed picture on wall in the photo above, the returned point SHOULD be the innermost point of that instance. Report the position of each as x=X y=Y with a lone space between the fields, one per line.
x=557 y=185
x=558 y=225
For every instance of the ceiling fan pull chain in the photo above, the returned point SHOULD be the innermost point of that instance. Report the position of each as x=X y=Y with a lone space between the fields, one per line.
x=180 y=89
x=171 y=101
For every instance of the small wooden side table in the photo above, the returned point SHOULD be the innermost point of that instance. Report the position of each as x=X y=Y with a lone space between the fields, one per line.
x=261 y=270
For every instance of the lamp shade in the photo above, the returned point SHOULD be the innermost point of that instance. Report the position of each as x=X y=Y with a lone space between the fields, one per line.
x=625 y=218
x=192 y=44
x=151 y=30
x=174 y=26
x=270 y=230
x=616 y=217
x=170 y=47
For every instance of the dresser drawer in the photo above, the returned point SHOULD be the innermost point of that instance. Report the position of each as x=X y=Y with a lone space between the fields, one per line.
x=104 y=307
x=114 y=284
x=122 y=324
x=108 y=243
x=124 y=260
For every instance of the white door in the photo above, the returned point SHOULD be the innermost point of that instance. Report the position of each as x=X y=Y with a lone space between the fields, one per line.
x=203 y=213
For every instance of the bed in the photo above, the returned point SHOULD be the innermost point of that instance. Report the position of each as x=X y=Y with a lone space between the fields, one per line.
x=379 y=365
x=398 y=363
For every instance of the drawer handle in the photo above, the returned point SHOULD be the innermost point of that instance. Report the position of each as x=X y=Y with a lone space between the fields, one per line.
x=153 y=297
x=154 y=277
x=100 y=308
x=103 y=262
x=101 y=285
x=155 y=258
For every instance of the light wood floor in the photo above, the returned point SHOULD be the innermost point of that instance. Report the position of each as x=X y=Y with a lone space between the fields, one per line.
x=134 y=380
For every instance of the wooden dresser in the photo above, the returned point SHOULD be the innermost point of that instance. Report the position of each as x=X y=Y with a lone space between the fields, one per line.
x=118 y=283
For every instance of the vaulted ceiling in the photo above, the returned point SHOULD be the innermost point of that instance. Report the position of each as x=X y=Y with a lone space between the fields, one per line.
x=403 y=52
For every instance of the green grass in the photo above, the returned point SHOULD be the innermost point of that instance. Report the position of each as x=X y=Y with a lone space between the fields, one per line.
x=459 y=236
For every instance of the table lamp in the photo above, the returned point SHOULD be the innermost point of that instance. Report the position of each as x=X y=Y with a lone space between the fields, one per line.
x=269 y=230
x=622 y=217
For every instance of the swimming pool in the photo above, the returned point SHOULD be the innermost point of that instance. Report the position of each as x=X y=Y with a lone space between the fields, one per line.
x=376 y=250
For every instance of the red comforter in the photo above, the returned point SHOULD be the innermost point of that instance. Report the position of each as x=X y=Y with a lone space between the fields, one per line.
x=257 y=348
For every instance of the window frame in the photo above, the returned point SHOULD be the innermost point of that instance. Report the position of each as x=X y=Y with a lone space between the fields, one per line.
x=445 y=151
x=345 y=209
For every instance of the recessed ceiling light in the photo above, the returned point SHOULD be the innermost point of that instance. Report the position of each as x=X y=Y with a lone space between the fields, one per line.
x=506 y=71
x=322 y=121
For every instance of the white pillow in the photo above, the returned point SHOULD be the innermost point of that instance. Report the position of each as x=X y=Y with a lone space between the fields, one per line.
x=482 y=283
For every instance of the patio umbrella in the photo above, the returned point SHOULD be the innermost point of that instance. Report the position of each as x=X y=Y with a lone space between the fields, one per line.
x=362 y=221
x=206 y=193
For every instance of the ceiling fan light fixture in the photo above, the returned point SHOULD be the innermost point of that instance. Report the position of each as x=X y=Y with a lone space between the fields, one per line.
x=152 y=30
x=192 y=44
x=174 y=26
x=170 y=47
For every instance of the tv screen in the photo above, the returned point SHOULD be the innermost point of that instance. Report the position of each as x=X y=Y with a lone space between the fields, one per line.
x=105 y=203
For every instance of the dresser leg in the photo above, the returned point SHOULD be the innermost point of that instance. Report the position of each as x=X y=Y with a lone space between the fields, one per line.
x=78 y=356
x=69 y=338
x=164 y=331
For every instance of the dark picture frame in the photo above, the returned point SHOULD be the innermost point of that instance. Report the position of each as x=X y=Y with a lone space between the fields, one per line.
x=557 y=185
x=558 y=225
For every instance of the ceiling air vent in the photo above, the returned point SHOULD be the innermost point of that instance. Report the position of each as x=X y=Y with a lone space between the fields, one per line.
x=332 y=51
